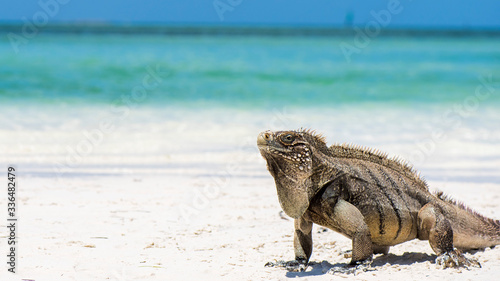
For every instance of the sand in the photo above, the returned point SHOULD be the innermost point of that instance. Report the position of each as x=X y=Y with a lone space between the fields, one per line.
x=133 y=228
x=198 y=210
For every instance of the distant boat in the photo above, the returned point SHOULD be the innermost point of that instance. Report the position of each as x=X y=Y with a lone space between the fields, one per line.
x=349 y=19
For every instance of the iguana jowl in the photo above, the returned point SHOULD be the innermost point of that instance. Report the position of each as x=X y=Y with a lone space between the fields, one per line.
x=374 y=200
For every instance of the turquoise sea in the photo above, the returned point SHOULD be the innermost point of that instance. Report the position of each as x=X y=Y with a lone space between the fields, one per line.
x=193 y=100
x=247 y=72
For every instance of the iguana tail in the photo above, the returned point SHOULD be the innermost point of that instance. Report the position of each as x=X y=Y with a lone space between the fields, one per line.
x=471 y=230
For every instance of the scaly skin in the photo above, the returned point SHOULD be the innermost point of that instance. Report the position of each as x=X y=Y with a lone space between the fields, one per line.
x=376 y=201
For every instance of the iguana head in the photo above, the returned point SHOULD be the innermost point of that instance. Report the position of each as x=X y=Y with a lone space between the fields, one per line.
x=292 y=157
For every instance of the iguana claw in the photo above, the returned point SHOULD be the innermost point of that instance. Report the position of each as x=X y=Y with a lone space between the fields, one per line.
x=295 y=265
x=455 y=259
x=352 y=268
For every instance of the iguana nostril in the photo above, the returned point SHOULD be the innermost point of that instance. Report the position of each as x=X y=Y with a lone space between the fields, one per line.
x=264 y=139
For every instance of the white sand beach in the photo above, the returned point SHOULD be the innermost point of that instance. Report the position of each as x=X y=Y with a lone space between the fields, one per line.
x=188 y=197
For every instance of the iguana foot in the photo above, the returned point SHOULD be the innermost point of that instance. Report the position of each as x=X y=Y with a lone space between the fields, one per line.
x=456 y=259
x=295 y=265
x=353 y=268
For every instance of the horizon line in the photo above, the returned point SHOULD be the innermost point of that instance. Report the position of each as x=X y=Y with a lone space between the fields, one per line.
x=176 y=28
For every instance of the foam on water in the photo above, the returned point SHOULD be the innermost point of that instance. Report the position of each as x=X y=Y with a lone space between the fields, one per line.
x=163 y=140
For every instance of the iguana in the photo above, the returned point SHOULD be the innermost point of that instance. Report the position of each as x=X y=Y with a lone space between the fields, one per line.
x=372 y=199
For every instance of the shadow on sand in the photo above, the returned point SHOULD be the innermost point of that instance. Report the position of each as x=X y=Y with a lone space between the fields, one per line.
x=320 y=268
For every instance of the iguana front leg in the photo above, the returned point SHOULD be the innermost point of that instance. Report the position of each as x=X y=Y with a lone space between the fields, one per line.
x=302 y=244
x=349 y=221
x=302 y=239
x=433 y=226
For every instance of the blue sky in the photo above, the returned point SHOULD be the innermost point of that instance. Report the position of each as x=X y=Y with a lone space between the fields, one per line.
x=416 y=13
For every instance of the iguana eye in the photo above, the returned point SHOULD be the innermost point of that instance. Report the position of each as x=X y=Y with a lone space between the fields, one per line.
x=288 y=138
